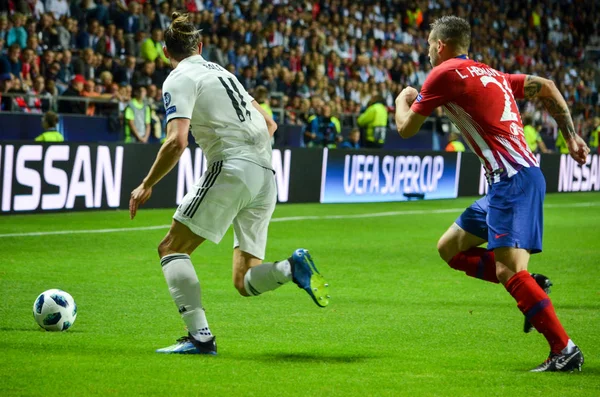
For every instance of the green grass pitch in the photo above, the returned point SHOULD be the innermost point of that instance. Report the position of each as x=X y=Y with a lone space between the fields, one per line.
x=401 y=322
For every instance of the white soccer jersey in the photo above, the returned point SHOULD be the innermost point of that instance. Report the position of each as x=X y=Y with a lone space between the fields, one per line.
x=224 y=122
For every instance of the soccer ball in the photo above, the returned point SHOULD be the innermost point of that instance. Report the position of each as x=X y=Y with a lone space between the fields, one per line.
x=55 y=310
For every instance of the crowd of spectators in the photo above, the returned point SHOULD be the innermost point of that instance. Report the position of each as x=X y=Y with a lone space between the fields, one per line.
x=345 y=53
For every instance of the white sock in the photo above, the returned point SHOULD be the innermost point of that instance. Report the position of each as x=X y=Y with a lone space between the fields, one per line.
x=267 y=277
x=185 y=289
x=569 y=348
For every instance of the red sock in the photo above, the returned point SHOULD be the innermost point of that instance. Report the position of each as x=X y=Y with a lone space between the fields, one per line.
x=536 y=306
x=476 y=262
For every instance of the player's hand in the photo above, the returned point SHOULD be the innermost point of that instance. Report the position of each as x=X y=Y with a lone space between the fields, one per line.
x=139 y=196
x=578 y=149
x=409 y=94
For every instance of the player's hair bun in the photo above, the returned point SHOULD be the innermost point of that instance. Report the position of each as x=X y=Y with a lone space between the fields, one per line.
x=182 y=25
x=181 y=37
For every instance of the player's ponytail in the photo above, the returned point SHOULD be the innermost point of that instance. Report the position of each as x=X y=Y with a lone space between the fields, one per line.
x=181 y=38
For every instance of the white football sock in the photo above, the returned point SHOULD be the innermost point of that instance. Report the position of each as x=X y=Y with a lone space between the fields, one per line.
x=267 y=277
x=185 y=289
x=569 y=348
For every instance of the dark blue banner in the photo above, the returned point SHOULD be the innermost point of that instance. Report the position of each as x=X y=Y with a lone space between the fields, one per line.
x=369 y=176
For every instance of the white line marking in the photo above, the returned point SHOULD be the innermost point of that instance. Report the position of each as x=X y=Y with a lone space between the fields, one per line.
x=324 y=174
x=284 y=219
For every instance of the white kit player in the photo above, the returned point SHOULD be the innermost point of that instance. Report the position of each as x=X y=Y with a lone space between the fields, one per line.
x=238 y=188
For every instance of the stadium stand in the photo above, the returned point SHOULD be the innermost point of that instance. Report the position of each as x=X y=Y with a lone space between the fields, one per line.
x=341 y=51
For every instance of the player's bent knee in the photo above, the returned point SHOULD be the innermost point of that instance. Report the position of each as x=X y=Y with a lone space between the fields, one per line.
x=446 y=249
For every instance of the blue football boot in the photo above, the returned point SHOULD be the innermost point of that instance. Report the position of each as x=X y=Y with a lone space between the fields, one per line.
x=306 y=276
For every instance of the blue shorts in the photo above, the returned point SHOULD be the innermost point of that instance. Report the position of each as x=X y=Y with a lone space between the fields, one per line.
x=512 y=214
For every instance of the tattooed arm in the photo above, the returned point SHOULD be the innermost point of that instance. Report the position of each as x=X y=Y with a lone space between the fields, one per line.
x=554 y=103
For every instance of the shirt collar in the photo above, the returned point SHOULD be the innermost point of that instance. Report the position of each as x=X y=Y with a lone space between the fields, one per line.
x=193 y=57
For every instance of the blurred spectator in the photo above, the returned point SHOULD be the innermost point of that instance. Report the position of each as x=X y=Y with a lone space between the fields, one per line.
x=50 y=89
x=324 y=132
x=89 y=38
x=106 y=44
x=3 y=27
x=47 y=32
x=18 y=102
x=561 y=144
x=454 y=143
x=532 y=135
x=374 y=120
x=41 y=101
x=261 y=95
x=594 y=135
x=86 y=64
x=17 y=34
x=58 y=8
x=353 y=141
x=108 y=65
x=124 y=45
x=5 y=86
x=124 y=97
x=89 y=91
x=247 y=78
x=130 y=21
x=155 y=103
x=163 y=17
x=46 y=62
x=74 y=90
x=67 y=33
x=137 y=117
x=50 y=128
x=12 y=61
x=144 y=77
x=125 y=75
x=152 y=47
x=67 y=69
x=37 y=8
x=29 y=68
x=161 y=71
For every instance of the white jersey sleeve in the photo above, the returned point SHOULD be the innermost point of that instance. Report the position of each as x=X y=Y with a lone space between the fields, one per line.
x=179 y=94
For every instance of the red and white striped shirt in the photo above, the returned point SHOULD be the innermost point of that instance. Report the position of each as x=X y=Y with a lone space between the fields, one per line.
x=480 y=101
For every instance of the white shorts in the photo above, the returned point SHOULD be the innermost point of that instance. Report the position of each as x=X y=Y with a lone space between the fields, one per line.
x=232 y=191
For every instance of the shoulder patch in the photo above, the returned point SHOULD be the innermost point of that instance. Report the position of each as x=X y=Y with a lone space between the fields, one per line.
x=419 y=98
x=171 y=109
x=167 y=98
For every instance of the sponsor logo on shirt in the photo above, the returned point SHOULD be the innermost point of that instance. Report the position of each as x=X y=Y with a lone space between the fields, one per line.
x=172 y=109
x=515 y=129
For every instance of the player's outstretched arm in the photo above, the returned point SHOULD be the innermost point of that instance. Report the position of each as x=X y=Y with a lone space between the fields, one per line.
x=271 y=124
x=555 y=104
x=408 y=123
x=167 y=157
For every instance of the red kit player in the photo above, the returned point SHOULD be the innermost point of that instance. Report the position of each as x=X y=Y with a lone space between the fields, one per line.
x=480 y=101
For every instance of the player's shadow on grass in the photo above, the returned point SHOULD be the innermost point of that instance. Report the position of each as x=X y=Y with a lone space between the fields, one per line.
x=313 y=358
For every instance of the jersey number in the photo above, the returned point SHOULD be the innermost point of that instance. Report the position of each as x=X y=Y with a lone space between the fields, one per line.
x=236 y=104
x=508 y=114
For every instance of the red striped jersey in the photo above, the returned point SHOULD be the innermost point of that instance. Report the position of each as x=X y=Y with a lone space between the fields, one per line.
x=480 y=101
